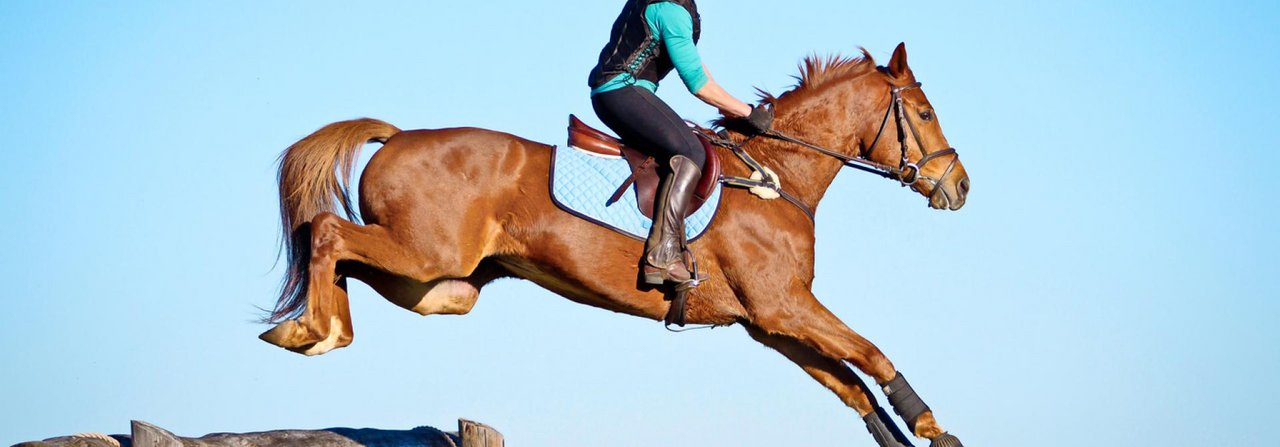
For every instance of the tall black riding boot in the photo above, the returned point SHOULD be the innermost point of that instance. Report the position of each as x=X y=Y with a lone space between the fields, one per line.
x=664 y=251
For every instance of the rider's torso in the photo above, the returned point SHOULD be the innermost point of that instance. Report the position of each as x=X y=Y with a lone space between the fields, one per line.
x=637 y=54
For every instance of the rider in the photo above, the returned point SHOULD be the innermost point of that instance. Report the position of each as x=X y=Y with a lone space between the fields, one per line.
x=649 y=39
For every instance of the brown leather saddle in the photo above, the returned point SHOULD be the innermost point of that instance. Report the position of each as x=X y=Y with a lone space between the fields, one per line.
x=644 y=174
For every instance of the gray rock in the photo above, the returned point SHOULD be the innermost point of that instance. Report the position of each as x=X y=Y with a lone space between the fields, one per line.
x=469 y=434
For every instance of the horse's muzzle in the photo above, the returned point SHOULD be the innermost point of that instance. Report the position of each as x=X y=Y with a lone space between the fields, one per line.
x=962 y=192
x=952 y=196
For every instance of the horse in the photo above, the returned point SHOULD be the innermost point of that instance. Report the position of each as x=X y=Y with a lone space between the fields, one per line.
x=446 y=211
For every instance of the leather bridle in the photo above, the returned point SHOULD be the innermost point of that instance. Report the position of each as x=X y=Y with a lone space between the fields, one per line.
x=907 y=173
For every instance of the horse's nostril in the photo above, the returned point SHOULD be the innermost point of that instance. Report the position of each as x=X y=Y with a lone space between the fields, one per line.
x=963 y=186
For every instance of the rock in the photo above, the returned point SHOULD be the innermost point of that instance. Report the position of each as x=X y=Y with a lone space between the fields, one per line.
x=469 y=434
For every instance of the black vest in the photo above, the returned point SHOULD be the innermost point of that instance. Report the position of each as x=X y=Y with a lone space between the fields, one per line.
x=633 y=49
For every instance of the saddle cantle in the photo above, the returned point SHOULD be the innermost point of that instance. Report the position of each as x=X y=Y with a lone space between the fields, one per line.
x=644 y=174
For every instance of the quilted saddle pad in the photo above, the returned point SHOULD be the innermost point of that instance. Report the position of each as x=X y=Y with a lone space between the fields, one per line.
x=581 y=184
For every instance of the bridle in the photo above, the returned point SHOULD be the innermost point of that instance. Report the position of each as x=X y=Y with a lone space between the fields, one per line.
x=906 y=173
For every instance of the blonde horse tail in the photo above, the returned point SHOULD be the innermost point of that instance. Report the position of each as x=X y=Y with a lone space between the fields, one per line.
x=315 y=177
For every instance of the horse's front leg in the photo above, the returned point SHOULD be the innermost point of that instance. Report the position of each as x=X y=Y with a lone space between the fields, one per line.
x=836 y=375
x=799 y=316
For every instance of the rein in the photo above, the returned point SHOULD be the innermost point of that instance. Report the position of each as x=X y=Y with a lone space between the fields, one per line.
x=906 y=173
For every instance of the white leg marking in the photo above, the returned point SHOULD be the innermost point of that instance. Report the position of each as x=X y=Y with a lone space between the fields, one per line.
x=331 y=341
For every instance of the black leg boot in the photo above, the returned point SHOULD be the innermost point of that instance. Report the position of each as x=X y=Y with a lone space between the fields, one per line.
x=663 y=261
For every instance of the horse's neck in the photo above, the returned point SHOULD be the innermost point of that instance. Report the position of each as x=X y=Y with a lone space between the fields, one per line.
x=837 y=119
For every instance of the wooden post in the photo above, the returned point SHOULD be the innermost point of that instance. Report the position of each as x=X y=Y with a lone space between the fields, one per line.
x=475 y=434
x=147 y=435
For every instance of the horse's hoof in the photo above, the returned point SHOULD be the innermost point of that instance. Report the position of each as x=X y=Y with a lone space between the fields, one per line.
x=288 y=335
x=946 y=440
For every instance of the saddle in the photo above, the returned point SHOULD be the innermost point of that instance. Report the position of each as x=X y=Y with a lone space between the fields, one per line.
x=644 y=173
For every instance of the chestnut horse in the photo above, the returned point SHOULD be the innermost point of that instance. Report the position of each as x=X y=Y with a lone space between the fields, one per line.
x=446 y=211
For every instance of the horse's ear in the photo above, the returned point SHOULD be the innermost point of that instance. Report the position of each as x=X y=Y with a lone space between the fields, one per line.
x=898 y=64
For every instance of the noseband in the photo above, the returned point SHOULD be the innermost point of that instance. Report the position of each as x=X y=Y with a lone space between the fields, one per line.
x=906 y=173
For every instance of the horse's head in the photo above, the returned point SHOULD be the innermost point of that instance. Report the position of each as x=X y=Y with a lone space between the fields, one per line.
x=872 y=118
x=930 y=165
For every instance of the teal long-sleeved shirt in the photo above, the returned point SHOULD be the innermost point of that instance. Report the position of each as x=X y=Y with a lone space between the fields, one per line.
x=673 y=26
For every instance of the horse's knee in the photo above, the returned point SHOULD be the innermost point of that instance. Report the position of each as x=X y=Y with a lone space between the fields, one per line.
x=447 y=297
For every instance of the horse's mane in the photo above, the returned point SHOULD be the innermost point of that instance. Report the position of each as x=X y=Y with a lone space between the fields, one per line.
x=816 y=73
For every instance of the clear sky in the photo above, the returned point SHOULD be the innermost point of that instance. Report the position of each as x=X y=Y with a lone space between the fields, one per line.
x=1112 y=280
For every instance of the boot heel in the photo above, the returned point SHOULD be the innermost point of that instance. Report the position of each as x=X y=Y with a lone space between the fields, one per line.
x=654 y=278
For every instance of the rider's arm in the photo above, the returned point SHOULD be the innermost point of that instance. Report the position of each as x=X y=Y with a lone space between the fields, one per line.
x=715 y=95
x=675 y=29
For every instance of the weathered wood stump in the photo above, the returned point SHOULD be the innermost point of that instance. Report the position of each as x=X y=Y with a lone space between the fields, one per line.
x=469 y=434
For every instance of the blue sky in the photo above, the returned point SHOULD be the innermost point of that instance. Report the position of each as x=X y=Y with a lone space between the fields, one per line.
x=1112 y=279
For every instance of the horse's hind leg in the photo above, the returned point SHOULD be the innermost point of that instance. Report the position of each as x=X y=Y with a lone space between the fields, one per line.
x=801 y=317
x=326 y=323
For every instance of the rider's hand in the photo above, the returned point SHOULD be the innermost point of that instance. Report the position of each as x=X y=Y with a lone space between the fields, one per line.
x=761 y=119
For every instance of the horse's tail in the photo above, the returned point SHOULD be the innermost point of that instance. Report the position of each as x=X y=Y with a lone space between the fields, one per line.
x=314 y=173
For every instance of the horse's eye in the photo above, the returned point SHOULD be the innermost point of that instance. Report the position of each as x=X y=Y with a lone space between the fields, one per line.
x=926 y=115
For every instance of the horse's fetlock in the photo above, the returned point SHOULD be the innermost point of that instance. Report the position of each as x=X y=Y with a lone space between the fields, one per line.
x=927 y=427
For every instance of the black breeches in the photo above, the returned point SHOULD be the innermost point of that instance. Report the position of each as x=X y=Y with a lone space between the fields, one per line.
x=649 y=125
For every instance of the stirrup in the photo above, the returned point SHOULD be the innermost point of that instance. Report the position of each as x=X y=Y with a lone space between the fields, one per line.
x=695 y=277
x=680 y=292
